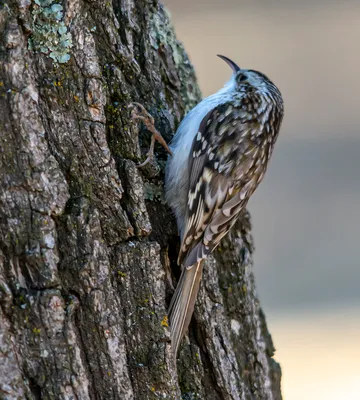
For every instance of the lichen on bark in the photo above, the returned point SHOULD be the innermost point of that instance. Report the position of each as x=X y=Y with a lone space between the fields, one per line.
x=87 y=245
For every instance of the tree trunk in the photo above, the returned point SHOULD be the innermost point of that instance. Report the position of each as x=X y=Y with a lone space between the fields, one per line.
x=87 y=245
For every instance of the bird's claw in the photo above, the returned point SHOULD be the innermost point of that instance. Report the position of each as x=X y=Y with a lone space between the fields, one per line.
x=149 y=122
x=143 y=115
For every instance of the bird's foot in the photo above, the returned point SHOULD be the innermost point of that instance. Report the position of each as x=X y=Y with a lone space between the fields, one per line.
x=139 y=113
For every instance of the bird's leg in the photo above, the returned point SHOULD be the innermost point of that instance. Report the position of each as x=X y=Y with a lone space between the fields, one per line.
x=139 y=113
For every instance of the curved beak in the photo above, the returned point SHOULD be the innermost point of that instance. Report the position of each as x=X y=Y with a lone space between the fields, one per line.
x=232 y=65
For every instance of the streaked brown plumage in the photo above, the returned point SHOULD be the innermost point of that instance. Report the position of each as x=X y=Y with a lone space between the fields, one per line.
x=227 y=140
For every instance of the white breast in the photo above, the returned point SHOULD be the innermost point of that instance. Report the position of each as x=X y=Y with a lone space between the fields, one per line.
x=177 y=174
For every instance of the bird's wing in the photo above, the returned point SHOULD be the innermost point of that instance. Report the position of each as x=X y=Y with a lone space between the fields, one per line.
x=226 y=164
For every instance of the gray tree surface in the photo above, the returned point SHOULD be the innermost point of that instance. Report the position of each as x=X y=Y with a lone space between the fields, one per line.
x=87 y=244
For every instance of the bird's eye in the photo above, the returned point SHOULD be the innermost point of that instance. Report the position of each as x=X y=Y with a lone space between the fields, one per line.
x=242 y=78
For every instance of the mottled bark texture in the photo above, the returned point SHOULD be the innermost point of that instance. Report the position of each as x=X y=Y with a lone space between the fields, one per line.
x=87 y=245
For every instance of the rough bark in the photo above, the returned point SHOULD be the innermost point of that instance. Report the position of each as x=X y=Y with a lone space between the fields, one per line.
x=87 y=244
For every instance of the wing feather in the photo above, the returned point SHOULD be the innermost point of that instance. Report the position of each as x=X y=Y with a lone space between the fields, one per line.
x=224 y=171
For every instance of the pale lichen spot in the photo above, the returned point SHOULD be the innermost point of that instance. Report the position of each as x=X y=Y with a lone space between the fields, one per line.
x=198 y=137
x=211 y=156
x=235 y=326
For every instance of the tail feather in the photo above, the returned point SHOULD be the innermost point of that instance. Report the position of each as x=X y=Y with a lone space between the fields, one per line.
x=182 y=303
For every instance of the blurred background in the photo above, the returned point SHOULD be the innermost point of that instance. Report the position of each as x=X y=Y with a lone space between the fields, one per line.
x=306 y=217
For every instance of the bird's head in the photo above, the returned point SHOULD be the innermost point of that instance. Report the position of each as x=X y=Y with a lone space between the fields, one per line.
x=244 y=79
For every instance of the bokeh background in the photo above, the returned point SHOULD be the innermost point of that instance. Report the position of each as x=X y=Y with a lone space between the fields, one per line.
x=306 y=214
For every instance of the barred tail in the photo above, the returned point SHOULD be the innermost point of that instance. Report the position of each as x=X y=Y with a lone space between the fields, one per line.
x=182 y=303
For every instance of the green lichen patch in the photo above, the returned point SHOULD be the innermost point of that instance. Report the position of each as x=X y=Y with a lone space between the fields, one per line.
x=50 y=35
x=153 y=192
x=162 y=36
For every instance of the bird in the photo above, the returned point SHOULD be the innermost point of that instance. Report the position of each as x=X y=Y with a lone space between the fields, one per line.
x=219 y=155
